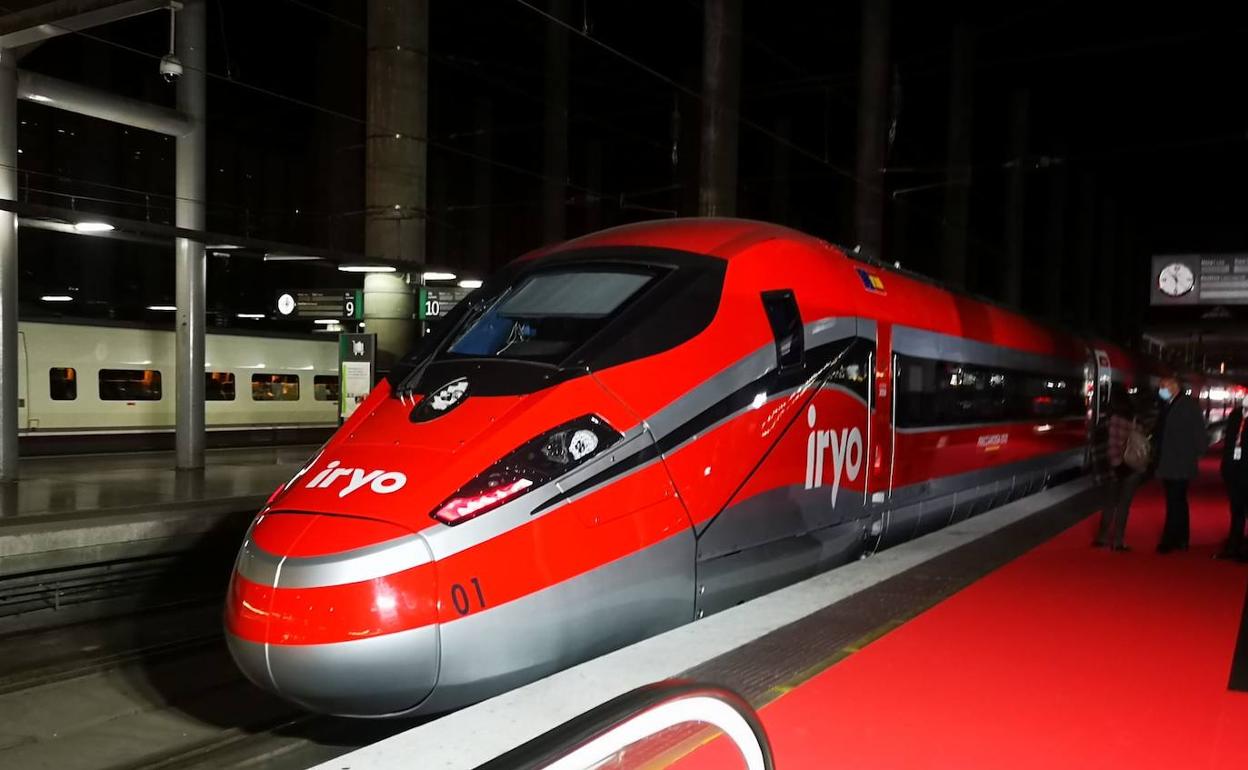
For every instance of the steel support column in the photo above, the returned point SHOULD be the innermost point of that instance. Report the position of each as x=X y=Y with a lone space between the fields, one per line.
x=872 y=127
x=555 y=146
x=1056 y=246
x=958 y=176
x=721 y=91
x=8 y=268
x=1010 y=288
x=395 y=156
x=190 y=185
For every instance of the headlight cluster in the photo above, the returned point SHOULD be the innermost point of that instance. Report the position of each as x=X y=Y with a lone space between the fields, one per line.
x=531 y=465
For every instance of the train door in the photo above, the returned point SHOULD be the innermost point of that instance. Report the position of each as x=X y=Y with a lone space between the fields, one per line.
x=801 y=508
x=1099 y=413
x=23 y=374
x=1104 y=382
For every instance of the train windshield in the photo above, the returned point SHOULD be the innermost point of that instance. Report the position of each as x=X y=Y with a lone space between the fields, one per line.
x=549 y=315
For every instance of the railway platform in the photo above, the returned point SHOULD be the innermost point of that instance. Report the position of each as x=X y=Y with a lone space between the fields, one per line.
x=1004 y=631
x=92 y=513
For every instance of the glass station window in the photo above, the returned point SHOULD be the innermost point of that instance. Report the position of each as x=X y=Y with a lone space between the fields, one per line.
x=218 y=386
x=325 y=387
x=63 y=383
x=129 y=385
x=274 y=387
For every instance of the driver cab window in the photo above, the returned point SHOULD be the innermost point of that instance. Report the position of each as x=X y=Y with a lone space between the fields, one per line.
x=549 y=315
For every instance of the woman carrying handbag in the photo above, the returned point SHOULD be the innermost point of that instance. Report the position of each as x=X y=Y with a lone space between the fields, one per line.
x=1130 y=457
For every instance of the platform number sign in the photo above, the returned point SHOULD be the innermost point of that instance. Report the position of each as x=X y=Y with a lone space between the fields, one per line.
x=347 y=304
x=436 y=302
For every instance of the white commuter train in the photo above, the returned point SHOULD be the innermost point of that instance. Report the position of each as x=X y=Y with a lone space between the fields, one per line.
x=95 y=387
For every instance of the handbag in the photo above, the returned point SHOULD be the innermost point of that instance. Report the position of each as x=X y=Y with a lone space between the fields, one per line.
x=1138 y=451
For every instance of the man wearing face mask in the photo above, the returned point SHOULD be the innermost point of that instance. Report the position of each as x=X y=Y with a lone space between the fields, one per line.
x=1181 y=441
x=1235 y=475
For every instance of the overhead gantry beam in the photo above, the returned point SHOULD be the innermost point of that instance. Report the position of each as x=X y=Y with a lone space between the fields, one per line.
x=34 y=25
x=95 y=103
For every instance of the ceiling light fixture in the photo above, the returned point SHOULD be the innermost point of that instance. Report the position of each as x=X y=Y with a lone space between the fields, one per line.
x=367 y=268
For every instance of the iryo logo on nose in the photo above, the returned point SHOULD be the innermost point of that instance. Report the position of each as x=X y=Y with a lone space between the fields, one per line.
x=846 y=449
x=380 y=482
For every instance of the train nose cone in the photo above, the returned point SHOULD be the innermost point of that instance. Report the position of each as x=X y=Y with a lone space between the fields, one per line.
x=350 y=631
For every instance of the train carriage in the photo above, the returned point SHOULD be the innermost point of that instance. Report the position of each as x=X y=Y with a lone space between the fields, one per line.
x=625 y=432
x=103 y=387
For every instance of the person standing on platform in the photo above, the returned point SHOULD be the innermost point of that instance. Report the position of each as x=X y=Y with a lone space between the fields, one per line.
x=1235 y=476
x=1181 y=441
x=1124 y=479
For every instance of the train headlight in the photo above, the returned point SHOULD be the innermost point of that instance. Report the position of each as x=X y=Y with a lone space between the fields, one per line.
x=533 y=464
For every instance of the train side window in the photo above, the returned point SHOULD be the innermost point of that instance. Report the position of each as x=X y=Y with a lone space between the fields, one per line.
x=325 y=387
x=786 y=325
x=129 y=385
x=219 y=386
x=274 y=387
x=63 y=383
x=932 y=393
x=850 y=365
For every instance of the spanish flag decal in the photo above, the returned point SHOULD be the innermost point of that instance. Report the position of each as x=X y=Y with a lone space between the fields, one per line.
x=870 y=281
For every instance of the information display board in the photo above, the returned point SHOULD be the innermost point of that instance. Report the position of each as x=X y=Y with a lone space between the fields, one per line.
x=1199 y=279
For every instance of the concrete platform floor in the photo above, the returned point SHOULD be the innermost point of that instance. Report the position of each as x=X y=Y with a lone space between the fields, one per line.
x=87 y=484
x=73 y=511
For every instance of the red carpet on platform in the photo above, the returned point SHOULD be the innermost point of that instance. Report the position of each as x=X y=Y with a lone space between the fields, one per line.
x=1068 y=657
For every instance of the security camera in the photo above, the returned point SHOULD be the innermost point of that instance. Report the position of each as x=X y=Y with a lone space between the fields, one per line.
x=170 y=68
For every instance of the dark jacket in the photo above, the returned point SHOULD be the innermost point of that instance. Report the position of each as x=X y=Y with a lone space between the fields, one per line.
x=1235 y=470
x=1182 y=439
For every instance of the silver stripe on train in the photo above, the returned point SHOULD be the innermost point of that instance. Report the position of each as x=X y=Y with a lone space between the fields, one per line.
x=921 y=343
x=386 y=558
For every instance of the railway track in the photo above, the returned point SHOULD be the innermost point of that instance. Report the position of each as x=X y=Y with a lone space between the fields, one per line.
x=153 y=691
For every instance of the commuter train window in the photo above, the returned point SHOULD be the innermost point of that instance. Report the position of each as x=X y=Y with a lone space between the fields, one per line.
x=325 y=387
x=274 y=387
x=63 y=383
x=786 y=326
x=129 y=385
x=218 y=386
x=550 y=314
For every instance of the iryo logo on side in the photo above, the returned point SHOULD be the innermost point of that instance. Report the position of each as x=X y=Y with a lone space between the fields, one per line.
x=846 y=446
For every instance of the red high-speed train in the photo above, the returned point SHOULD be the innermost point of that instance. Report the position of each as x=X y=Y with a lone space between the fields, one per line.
x=625 y=432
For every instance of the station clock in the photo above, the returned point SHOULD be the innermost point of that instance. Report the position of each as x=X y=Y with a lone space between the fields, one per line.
x=1176 y=279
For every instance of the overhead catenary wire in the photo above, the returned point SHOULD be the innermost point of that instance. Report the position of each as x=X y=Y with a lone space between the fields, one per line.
x=382 y=132
x=754 y=126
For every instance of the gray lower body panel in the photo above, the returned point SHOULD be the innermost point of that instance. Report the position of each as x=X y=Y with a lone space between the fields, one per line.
x=594 y=613
x=365 y=677
x=767 y=542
